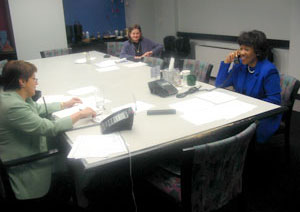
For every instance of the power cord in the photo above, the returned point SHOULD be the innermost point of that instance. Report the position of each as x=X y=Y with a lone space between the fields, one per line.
x=130 y=174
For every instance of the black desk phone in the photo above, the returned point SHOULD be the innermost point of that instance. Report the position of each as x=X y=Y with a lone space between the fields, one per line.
x=120 y=120
x=162 y=88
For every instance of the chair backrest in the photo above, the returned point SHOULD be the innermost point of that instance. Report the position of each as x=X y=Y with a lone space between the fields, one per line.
x=6 y=192
x=183 y=46
x=114 y=48
x=153 y=61
x=289 y=89
x=215 y=175
x=2 y=64
x=55 y=52
x=169 y=43
x=201 y=70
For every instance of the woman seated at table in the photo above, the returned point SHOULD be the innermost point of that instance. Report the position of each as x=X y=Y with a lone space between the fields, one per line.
x=24 y=127
x=138 y=47
x=253 y=75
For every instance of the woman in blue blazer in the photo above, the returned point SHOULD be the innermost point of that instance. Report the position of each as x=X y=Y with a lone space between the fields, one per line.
x=138 y=47
x=253 y=75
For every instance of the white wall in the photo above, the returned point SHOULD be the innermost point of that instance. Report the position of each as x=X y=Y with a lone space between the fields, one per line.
x=158 y=18
x=230 y=17
x=141 y=12
x=37 y=25
x=294 y=57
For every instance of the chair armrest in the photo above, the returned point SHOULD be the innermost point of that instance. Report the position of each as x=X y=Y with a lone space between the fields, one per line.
x=31 y=158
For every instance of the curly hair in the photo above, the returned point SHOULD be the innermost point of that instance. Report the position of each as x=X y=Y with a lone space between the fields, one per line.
x=257 y=40
x=15 y=70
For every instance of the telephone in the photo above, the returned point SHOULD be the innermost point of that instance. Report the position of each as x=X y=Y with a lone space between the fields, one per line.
x=236 y=60
x=162 y=88
x=120 y=120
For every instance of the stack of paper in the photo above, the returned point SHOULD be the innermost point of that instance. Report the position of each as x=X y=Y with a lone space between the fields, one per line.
x=107 y=65
x=87 y=146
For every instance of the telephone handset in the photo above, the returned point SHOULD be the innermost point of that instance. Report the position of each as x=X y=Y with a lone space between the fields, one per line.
x=236 y=60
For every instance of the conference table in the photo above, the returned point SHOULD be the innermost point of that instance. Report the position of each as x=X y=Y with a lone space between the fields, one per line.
x=125 y=83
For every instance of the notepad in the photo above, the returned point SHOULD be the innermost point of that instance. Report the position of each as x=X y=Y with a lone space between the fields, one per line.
x=100 y=146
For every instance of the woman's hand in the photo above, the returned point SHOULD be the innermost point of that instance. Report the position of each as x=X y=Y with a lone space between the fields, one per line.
x=147 y=54
x=71 y=102
x=231 y=56
x=87 y=112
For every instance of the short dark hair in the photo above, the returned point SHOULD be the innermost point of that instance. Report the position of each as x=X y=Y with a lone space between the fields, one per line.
x=15 y=70
x=135 y=26
x=257 y=40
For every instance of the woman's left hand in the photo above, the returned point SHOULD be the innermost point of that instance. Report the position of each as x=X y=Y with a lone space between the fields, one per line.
x=71 y=102
x=147 y=54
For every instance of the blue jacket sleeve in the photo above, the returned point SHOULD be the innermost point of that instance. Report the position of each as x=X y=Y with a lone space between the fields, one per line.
x=221 y=80
x=156 y=48
x=272 y=87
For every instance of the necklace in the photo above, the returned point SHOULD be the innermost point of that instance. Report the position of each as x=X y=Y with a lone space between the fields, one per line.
x=137 y=47
x=250 y=71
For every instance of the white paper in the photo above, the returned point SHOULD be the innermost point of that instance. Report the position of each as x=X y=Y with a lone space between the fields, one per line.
x=86 y=146
x=106 y=69
x=106 y=63
x=216 y=97
x=82 y=91
x=191 y=105
x=233 y=109
x=123 y=60
x=66 y=112
x=137 y=107
x=133 y=65
x=201 y=117
x=83 y=60
x=227 y=110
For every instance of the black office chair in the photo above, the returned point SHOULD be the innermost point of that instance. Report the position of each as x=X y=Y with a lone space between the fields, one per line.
x=7 y=196
x=169 y=47
x=210 y=175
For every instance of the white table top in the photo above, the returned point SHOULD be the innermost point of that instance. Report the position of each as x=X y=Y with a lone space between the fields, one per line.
x=57 y=75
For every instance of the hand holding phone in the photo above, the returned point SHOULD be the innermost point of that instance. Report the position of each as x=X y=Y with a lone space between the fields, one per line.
x=233 y=57
x=236 y=60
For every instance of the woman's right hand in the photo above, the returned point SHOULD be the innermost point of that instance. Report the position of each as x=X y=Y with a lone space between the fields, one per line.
x=231 y=56
x=87 y=112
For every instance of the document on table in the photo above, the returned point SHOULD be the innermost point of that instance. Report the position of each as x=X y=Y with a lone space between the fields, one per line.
x=83 y=60
x=216 y=97
x=106 y=63
x=97 y=146
x=198 y=111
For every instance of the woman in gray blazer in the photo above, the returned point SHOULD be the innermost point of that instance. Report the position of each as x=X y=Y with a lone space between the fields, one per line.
x=24 y=127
